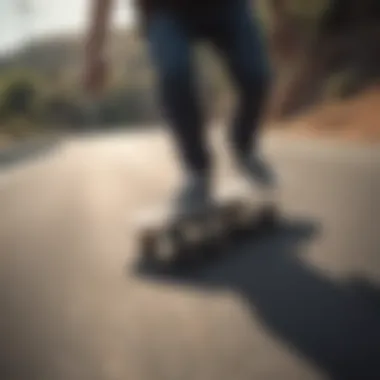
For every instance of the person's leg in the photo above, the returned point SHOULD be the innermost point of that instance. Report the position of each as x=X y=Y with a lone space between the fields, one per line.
x=239 y=39
x=170 y=49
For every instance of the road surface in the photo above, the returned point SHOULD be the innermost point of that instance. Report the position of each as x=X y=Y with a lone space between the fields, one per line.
x=302 y=304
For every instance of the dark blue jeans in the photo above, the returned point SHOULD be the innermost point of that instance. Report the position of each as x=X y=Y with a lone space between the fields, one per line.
x=233 y=31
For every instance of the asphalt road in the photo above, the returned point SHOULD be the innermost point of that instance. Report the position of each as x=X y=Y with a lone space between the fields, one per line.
x=303 y=303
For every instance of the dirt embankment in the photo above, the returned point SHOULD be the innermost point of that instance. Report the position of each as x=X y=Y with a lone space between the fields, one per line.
x=327 y=80
x=355 y=119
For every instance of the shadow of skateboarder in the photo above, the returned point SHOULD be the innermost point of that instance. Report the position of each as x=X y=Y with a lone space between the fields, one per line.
x=334 y=325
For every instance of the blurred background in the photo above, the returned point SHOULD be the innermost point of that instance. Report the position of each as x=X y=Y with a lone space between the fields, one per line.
x=301 y=303
x=325 y=55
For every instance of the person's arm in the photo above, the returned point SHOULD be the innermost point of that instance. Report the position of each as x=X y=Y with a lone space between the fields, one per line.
x=95 y=61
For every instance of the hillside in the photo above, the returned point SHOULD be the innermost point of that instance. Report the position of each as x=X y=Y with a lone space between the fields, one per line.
x=321 y=51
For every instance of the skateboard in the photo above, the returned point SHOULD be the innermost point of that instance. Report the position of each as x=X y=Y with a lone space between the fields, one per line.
x=169 y=238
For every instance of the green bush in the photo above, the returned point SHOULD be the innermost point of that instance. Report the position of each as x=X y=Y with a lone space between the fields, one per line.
x=21 y=94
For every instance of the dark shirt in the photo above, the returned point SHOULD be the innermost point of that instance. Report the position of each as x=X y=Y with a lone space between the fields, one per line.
x=147 y=6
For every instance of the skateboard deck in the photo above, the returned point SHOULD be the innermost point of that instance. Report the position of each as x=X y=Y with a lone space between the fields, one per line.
x=167 y=237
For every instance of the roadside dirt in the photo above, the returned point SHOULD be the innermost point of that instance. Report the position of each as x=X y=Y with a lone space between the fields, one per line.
x=356 y=119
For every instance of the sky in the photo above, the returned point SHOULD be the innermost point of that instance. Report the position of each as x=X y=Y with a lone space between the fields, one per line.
x=18 y=25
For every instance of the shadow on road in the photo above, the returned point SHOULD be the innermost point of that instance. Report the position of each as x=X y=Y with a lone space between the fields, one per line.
x=334 y=325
